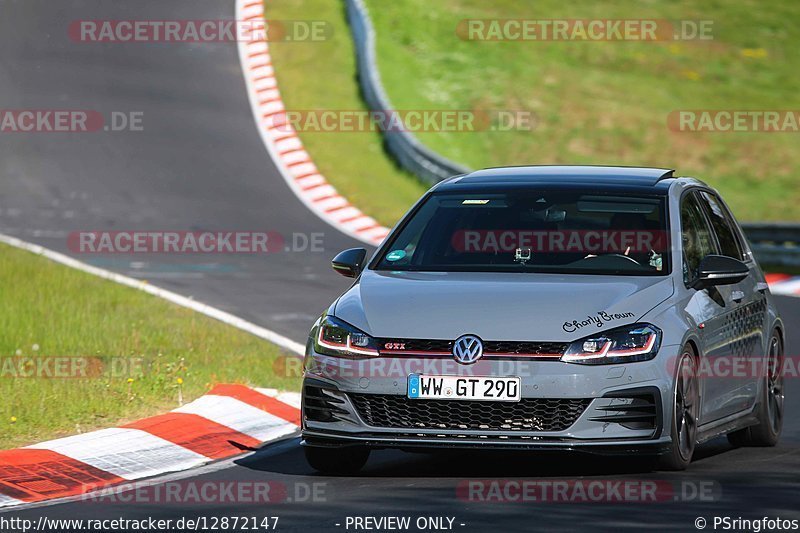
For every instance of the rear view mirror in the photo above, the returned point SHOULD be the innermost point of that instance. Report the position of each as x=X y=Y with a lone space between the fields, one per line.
x=720 y=270
x=349 y=263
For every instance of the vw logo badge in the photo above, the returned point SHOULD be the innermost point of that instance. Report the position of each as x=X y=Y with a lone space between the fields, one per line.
x=467 y=349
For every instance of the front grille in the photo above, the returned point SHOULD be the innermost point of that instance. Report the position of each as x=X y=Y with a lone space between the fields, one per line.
x=526 y=348
x=529 y=414
x=503 y=348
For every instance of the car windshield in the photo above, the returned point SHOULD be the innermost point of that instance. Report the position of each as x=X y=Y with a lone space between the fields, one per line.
x=554 y=231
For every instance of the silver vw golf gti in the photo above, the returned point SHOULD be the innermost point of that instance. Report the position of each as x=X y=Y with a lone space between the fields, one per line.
x=608 y=310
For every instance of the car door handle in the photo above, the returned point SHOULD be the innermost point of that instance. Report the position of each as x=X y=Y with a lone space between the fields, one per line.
x=762 y=286
x=737 y=296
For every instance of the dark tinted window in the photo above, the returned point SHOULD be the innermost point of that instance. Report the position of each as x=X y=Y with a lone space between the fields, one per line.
x=562 y=231
x=696 y=235
x=722 y=224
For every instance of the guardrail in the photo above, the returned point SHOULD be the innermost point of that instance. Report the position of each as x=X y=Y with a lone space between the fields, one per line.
x=411 y=154
x=774 y=244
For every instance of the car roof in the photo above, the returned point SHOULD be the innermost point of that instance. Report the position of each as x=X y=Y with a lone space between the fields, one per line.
x=618 y=179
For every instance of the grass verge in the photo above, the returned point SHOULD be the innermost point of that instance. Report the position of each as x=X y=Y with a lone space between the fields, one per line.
x=595 y=102
x=608 y=102
x=125 y=354
x=316 y=75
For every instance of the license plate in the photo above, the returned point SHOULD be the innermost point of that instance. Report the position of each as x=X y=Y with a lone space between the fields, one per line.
x=464 y=388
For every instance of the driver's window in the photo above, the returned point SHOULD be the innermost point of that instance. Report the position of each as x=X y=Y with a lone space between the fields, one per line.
x=696 y=236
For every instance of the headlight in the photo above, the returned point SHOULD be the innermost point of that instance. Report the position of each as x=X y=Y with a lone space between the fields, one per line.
x=340 y=339
x=638 y=342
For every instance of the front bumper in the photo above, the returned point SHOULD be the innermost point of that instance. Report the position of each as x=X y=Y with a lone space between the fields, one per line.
x=383 y=441
x=626 y=409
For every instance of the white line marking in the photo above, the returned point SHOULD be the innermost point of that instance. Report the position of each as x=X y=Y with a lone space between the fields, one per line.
x=277 y=446
x=266 y=89
x=789 y=287
x=125 y=452
x=217 y=314
x=240 y=416
x=8 y=501
x=289 y=398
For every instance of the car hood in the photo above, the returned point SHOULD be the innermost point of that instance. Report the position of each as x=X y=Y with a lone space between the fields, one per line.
x=497 y=306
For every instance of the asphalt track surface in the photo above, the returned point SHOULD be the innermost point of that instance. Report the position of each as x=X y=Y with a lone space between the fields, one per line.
x=200 y=165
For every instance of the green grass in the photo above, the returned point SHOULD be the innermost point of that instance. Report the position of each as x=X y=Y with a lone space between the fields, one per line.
x=51 y=310
x=322 y=75
x=596 y=102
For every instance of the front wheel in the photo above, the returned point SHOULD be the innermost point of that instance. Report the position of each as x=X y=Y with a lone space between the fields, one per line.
x=337 y=461
x=770 y=409
x=686 y=407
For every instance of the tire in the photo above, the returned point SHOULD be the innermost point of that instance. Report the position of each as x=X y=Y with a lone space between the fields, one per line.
x=337 y=461
x=685 y=410
x=770 y=409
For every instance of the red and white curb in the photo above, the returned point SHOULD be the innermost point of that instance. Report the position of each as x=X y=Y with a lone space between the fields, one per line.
x=221 y=424
x=285 y=147
x=784 y=284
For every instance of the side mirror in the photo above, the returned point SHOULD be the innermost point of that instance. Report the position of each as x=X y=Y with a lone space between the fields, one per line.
x=720 y=270
x=349 y=263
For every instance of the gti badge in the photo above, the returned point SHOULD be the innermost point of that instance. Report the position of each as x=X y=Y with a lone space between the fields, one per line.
x=467 y=349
